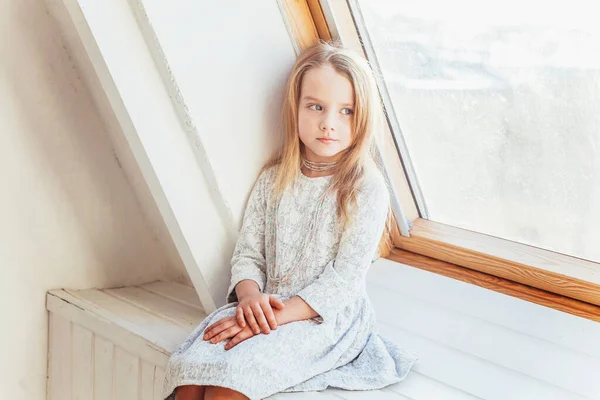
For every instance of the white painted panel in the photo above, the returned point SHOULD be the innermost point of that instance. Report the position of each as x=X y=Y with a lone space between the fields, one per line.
x=59 y=359
x=136 y=93
x=473 y=375
x=390 y=394
x=232 y=105
x=548 y=324
x=147 y=381
x=149 y=326
x=324 y=395
x=175 y=291
x=83 y=375
x=103 y=368
x=126 y=375
x=68 y=214
x=169 y=310
x=80 y=312
x=382 y=394
x=417 y=386
x=159 y=377
x=463 y=357
x=502 y=346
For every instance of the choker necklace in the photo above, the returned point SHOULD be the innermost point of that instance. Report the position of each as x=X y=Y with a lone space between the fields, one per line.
x=319 y=166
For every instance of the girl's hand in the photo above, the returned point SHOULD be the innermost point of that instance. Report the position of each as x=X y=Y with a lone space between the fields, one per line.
x=242 y=335
x=226 y=328
x=222 y=329
x=257 y=310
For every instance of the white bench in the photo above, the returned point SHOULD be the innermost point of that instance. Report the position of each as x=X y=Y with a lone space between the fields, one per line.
x=474 y=343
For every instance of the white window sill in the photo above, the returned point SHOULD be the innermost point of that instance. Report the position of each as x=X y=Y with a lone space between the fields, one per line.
x=472 y=342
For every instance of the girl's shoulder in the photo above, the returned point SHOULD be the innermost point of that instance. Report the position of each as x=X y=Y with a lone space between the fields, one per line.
x=266 y=179
x=268 y=175
x=373 y=185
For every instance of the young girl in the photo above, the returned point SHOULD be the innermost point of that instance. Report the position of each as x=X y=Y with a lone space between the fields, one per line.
x=298 y=317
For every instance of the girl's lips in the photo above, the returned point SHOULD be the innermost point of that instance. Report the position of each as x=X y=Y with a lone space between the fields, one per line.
x=326 y=140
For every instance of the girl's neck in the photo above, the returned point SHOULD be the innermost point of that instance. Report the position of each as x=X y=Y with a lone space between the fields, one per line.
x=315 y=174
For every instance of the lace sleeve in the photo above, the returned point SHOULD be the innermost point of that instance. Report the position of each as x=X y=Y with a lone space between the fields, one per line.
x=248 y=261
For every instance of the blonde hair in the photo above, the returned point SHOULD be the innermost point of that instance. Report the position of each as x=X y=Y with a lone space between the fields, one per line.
x=367 y=121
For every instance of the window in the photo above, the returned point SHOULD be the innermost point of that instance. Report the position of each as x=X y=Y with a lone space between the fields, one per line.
x=499 y=111
x=494 y=115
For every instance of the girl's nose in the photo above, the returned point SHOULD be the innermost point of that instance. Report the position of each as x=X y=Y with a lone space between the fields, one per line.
x=327 y=124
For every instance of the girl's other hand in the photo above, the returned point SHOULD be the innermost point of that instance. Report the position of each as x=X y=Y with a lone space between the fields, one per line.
x=222 y=329
x=257 y=310
x=227 y=328
x=242 y=335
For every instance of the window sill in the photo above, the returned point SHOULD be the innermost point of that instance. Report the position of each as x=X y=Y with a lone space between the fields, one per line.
x=543 y=269
x=497 y=284
x=477 y=343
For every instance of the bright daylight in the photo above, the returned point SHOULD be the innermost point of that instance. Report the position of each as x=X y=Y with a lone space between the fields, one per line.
x=300 y=200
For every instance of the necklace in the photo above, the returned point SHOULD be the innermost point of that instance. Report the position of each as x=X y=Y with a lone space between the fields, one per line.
x=276 y=275
x=319 y=165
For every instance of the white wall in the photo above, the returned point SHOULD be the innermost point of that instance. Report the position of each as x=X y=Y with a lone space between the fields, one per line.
x=196 y=92
x=68 y=214
x=229 y=62
x=225 y=66
x=76 y=210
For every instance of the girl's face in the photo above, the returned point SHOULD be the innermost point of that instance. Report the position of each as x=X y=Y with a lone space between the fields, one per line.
x=325 y=113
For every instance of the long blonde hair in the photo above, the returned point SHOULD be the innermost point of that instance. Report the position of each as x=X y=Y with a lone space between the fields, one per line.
x=367 y=121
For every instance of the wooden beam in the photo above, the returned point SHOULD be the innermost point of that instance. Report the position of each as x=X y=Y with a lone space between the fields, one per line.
x=305 y=22
x=299 y=22
x=319 y=20
x=515 y=289
x=550 y=271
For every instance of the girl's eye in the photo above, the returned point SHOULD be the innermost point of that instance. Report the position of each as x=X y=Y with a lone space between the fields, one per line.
x=314 y=105
x=347 y=109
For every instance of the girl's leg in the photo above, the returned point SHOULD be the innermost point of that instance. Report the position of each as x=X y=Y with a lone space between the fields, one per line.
x=221 y=393
x=190 y=392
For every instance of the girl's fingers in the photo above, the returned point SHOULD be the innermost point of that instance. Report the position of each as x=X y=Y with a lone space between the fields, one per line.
x=226 y=334
x=251 y=320
x=219 y=322
x=209 y=333
x=275 y=302
x=240 y=337
x=239 y=315
x=208 y=328
x=260 y=317
x=270 y=316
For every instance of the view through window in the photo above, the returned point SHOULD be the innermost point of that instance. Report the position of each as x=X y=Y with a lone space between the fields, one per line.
x=499 y=106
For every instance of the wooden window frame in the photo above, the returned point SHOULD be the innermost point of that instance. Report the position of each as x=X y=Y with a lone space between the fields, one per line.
x=542 y=276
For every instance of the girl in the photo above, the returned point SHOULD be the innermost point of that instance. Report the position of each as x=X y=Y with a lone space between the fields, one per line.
x=298 y=317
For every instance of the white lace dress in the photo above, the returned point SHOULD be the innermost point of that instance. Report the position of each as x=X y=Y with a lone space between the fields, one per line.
x=341 y=347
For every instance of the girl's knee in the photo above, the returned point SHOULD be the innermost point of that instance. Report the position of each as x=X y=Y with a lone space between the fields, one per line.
x=189 y=392
x=221 y=393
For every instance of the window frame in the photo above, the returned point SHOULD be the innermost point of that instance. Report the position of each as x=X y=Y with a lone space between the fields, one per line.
x=557 y=276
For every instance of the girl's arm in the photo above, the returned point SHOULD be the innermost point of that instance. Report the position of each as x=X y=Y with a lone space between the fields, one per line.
x=344 y=277
x=247 y=287
x=295 y=309
x=248 y=262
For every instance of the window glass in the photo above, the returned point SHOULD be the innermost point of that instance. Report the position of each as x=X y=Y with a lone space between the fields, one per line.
x=499 y=106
